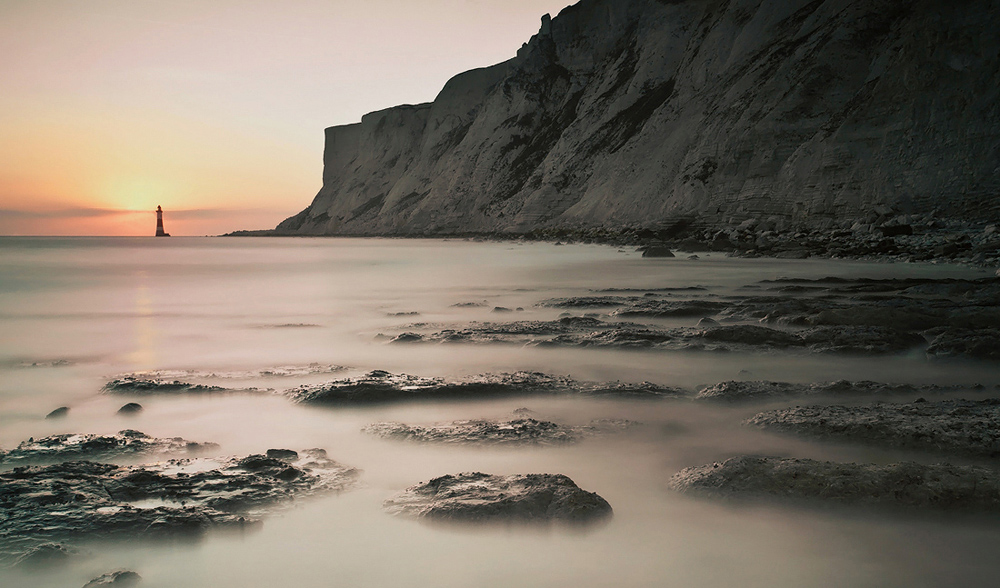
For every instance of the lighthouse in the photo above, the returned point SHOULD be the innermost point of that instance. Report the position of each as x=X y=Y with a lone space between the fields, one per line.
x=159 y=223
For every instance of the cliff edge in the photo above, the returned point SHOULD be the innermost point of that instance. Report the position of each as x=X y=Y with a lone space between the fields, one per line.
x=637 y=113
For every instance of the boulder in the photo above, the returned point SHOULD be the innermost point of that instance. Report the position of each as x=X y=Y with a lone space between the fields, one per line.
x=476 y=497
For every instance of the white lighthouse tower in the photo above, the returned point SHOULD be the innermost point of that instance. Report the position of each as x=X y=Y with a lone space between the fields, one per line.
x=159 y=223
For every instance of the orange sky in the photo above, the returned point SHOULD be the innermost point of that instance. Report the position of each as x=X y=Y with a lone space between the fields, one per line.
x=213 y=109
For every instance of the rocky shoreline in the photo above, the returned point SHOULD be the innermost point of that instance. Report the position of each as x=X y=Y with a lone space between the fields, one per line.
x=877 y=237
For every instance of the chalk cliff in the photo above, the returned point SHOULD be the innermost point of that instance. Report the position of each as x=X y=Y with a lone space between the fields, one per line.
x=624 y=113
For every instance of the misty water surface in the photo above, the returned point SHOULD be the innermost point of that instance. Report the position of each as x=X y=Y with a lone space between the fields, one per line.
x=76 y=312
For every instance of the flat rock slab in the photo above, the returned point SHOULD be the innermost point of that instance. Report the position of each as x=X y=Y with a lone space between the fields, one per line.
x=56 y=448
x=381 y=386
x=481 y=498
x=735 y=391
x=966 y=427
x=909 y=485
x=178 y=498
x=522 y=431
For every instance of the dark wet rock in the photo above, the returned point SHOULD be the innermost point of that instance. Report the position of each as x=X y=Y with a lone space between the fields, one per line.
x=657 y=251
x=410 y=313
x=469 y=304
x=966 y=427
x=590 y=301
x=508 y=332
x=748 y=391
x=655 y=290
x=672 y=308
x=58 y=413
x=589 y=332
x=179 y=498
x=480 y=498
x=714 y=337
x=119 y=578
x=861 y=340
x=501 y=309
x=626 y=337
x=382 y=386
x=283 y=454
x=520 y=431
x=128 y=442
x=896 y=230
x=906 y=485
x=130 y=408
x=407 y=338
x=975 y=344
x=143 y=386
x=750 y=335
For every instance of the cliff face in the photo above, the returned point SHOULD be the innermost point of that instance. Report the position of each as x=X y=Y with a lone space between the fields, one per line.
x=634 y=112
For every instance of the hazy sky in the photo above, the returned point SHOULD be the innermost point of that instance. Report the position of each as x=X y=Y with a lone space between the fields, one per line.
x=213 y=109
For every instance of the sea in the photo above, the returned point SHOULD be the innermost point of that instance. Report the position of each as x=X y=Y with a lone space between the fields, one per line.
x=276 y=313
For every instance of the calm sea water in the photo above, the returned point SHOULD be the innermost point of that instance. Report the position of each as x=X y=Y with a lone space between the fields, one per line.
x=75 y=312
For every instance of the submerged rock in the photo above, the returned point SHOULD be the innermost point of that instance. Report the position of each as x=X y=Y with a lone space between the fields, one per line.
x=179 y=498
x=382 y=386
x=967 y=427
x=68 y=447
x=478 y=498
x=910 y=485
x=743 y=391
x=520 y=431
x=120 y=578
x=58 y=413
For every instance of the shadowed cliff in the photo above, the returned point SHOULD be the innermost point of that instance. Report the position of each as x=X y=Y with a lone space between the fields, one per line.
x=626 y=113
